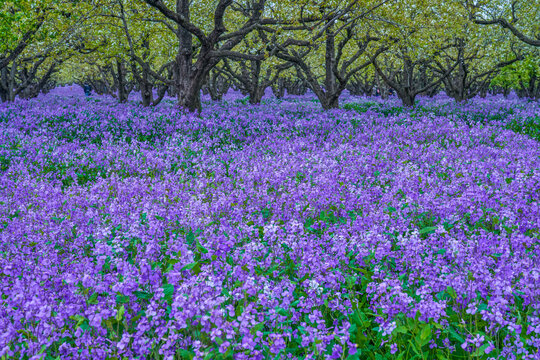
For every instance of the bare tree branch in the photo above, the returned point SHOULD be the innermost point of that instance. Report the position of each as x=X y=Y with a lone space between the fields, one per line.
x=179 y=19
x=507 y=25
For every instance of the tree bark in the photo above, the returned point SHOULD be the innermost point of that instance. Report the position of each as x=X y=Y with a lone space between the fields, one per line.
x=330 y=62
x=187 y=94
x=279 y=88
x=122 y=93
x=189 y=76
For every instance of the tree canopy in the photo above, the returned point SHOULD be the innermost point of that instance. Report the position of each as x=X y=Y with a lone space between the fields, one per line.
x=183 y=47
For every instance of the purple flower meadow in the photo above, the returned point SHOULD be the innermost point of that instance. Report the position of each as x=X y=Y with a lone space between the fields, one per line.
x=269 y=232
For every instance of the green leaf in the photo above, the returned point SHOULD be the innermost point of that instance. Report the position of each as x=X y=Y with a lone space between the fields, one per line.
x=428 y=230
x=122 y=299
x=143 y=295
x=437 y=325
x=401 y=330
x=168 y=291
x=120 y=313
x=451 y=292
x=185 y=354
x=426 y=333
x=43 y=348
x=190 y=237
x=256 y=328
x=481 y=351
x=201 y=248
x=195 y=266
x=424 y=336
x=414 y=347
x=92 y=299
x=456 y=336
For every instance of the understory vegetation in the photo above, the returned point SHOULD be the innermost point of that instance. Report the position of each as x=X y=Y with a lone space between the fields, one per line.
x=277 y=231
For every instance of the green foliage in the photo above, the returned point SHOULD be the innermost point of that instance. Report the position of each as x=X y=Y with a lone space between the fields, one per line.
x=361 y=107
x=519 y=74
x=530 y=127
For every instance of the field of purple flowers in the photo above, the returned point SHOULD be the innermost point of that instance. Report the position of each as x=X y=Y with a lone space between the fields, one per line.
x=270 y=232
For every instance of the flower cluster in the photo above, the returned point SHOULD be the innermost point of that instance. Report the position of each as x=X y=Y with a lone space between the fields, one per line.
x=274 y=231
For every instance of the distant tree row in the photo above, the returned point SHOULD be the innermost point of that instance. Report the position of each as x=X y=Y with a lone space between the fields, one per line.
x=178 y=48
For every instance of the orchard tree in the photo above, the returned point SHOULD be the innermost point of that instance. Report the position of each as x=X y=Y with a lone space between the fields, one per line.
x=250 y=76
x=254 y=76
x=520 y=17
x=147 y=50
x=105 y=69
x=476 y=55
x=203 y=39
x=328 y=45
x=35 y=38
x=523 y=76
x=422 y=32
x=408 y=74
x=362 y=83
x=216 y=84
x=134 y=51
x=105 y=75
